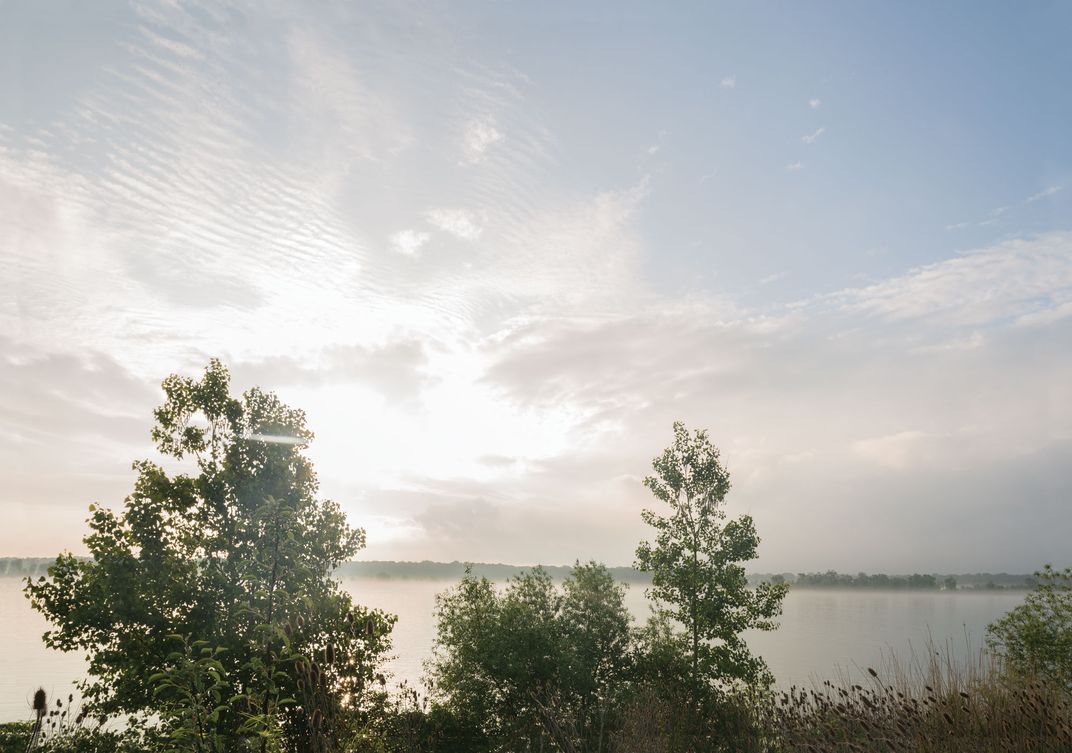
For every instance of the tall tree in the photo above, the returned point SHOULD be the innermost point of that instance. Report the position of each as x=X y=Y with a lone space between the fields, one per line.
x=695 y=564
x=213 y=588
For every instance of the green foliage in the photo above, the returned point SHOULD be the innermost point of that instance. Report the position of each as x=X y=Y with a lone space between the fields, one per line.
x=193 y=694
x=595 y=628
x=14 y=736
x=1035 y=638
x=533 y=662
x=696 y=572
x=411 y=726
x=236 y=556
x=661 y=654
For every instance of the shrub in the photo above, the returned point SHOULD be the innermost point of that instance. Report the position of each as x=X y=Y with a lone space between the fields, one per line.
x=534 y=663
x=1035 y=638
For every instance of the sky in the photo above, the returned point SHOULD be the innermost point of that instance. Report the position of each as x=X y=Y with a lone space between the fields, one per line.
x=495 y=249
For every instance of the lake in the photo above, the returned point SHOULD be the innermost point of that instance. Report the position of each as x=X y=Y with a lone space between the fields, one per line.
x=822 y=632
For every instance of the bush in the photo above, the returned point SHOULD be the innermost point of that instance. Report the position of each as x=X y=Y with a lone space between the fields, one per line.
x=14 y=736
x=1036 y=637
x=533 y=663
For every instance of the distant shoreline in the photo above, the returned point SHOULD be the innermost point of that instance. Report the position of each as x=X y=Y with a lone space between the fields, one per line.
x=22 y=567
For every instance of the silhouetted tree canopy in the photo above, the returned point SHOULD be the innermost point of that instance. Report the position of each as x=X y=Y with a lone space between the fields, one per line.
x=210 y=589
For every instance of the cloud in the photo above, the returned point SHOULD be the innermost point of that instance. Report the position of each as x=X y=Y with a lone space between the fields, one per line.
x=997 y=212
x=583 y=254
x=991 y=285
x=794 y=167
x=340 y=111
x=480 y=135
x=396 y=370
x=812 y=137
x=57 y=397
x=818 y=410
x=408 y=242
x=1046 y=316
x=896 y=451
x=183 y=228
x=446 y=517
x=815 y=103
x=171 y=45
x=656 y=147
x=1042 y=194
x=69 y=428
x=728 y=82
x=461 y=223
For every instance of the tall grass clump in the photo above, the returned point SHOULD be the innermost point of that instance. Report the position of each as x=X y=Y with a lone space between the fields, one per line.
x=940 y=706
x=657 y=721
x=60 y=726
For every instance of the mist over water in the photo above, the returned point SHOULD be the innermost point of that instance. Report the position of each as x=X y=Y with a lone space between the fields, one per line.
x=822 y=633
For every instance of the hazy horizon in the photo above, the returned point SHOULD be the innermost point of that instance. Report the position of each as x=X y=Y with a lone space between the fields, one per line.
x=559 y=569
x=495 y=250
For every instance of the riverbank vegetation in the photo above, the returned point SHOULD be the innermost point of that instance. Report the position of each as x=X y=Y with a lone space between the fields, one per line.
x=915 y=581
x=213 y=622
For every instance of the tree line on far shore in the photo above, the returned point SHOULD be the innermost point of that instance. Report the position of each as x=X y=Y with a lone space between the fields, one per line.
x=916 y=581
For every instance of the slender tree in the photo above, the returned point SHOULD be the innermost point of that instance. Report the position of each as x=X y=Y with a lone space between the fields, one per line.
x=695 y=564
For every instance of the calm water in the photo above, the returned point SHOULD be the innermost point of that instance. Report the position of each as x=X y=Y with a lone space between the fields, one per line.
x=822 y=632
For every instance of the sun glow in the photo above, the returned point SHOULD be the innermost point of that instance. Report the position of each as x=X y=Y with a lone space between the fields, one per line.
x=450 y=430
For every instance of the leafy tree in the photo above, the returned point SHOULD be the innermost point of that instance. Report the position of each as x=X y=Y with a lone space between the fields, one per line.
x=595 y=627
x=234 y=557
x=1035 y=638
x=533 y=662
x=695 y=564
x=466 y=673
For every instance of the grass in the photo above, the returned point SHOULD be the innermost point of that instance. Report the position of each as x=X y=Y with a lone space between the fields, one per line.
x=933 y=705
x=937 y=707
